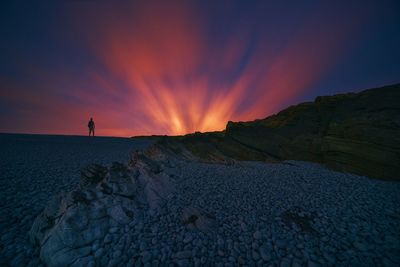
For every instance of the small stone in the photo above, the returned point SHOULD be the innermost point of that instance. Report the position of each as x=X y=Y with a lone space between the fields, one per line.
x=281 y=243
x=113 y=230
x=325 y=239
x=285 y=263
x=183 y=254
x=331 y=259
x=143 y=245
x=311 y=263
x=257 y=235
x=255 y=255
x=360 y=246
x=146 y=256
x=108 y=239
x=183 y=262
x=113 y=262
x=197 y=262
x=265 y=253
x=95 y=246
x=117 y=254
x=99 y=253
x=188 y=238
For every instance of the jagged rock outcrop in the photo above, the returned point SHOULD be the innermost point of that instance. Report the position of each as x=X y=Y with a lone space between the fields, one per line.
x=106 y=198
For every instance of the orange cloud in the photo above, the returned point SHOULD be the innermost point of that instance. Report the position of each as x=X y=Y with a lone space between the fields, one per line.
x=159 y=72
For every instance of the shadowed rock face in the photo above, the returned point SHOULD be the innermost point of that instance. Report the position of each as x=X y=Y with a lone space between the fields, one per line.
x=358 y=133
x=354 y=132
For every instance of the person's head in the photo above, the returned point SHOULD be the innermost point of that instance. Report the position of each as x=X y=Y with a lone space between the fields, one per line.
x=91 y=119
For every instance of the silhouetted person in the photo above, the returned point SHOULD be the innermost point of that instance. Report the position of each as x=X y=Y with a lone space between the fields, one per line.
x=91 y=126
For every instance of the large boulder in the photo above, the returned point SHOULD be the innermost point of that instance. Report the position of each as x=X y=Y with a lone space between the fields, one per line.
x=106 y=197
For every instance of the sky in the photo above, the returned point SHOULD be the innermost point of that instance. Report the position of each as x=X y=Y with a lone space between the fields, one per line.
x=176 y=67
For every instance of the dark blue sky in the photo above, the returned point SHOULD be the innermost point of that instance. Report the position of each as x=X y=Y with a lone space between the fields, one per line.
x=173 y=67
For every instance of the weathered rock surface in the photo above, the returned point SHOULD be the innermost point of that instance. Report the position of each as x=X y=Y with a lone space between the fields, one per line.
x=106 y=200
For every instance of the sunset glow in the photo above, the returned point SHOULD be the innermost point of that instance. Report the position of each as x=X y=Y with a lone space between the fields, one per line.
x=161 y=67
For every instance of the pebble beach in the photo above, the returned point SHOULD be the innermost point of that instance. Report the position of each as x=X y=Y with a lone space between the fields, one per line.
x=287 y=214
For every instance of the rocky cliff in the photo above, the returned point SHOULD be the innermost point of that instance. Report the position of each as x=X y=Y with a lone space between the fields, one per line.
x=354 y=132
